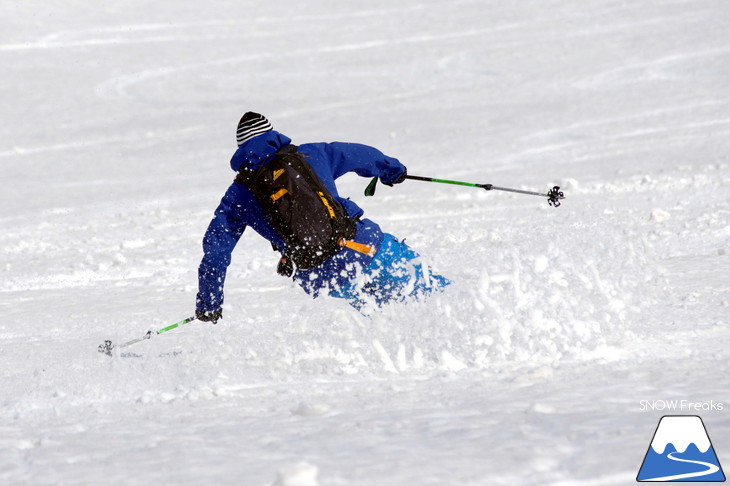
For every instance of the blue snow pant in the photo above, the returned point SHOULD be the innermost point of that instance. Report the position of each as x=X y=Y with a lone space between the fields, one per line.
x=395 y=274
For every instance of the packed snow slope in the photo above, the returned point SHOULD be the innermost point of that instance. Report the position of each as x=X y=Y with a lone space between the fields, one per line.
x=537 y=364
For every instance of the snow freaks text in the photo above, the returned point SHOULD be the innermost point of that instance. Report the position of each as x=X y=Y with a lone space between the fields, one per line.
x=680 y=406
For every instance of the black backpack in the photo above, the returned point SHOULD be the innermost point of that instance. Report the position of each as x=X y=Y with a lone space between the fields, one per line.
x=303 y=211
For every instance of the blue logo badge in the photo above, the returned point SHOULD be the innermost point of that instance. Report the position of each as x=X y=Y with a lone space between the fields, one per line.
x=681 y=451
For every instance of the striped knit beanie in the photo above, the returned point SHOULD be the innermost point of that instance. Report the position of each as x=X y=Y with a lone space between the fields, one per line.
x=251 y=124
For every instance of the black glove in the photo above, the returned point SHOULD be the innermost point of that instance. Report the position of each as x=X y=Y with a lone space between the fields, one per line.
x=209 y=316
x=401 y=178
x=285 y=267
x=394 y=175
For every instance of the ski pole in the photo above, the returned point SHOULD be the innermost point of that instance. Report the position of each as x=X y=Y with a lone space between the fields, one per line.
x=108 y=346
x=554 y=195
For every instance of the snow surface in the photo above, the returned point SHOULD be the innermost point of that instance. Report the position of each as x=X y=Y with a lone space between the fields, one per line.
x=535 y=367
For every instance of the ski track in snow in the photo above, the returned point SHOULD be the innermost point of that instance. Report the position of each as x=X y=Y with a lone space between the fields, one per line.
x=528 y=370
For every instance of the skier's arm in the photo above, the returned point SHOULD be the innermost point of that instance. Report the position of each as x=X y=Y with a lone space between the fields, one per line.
x=221 y=237
x=365 y=161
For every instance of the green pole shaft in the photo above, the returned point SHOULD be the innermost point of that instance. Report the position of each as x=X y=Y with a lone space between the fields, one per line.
x=488 y=187
x=173 y=326
x=553 y=196
x=444 y=181
x=107 y=346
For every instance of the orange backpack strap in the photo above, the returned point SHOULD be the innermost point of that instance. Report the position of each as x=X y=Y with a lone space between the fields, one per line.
x=359 y=247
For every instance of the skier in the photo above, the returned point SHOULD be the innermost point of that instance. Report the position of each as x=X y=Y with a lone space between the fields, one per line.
x=368 y=270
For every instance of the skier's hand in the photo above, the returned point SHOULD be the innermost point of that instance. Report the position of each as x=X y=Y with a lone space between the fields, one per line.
x=209 y=316
x=402 y=177
x=395 y=176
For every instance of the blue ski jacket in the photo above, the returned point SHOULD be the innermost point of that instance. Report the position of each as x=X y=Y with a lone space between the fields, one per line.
x=239 y=209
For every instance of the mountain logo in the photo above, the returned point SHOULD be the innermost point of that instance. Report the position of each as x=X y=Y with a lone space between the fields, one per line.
x=681 y=451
